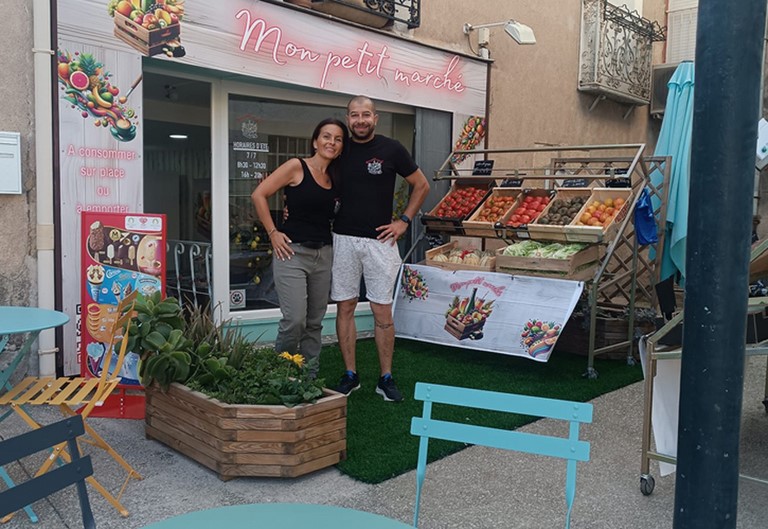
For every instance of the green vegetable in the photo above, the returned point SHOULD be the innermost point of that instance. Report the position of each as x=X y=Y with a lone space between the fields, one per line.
x=554 y=250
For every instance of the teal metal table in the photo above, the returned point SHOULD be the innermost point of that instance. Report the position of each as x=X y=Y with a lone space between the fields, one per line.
x=279 y=516
x=21 y=320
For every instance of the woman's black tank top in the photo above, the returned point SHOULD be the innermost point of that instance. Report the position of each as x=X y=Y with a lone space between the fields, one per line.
x=310 y=210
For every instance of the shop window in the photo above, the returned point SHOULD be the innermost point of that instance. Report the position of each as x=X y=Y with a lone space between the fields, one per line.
x=262 y=135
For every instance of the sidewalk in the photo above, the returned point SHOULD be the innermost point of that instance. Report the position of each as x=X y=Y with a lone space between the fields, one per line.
x=475 y=488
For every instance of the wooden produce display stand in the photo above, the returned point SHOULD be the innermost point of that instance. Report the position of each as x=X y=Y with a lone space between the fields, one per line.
x=617 y=273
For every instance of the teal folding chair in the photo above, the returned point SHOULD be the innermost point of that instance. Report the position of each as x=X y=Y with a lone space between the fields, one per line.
x=571 y=448
x=21 y=495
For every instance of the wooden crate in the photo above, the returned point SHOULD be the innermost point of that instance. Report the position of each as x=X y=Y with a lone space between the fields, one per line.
x=575 y=233
x=522 y=232
x=147 y=41
x=574 y=337
x=446 y=249
x=580 y=266
x=462 y=331
x=249 y=440
x=546 y=232
x=477 y=228
x=433 y=223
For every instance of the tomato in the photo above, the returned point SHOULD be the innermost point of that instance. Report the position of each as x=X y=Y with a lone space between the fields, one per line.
x=528 y=199
x=525 y=219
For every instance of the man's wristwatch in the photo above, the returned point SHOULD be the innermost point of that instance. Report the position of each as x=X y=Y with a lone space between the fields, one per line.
x=405 y=218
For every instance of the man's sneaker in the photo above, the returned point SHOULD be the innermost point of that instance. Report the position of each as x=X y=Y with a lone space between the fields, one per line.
x=387 y=389
x=349 y=382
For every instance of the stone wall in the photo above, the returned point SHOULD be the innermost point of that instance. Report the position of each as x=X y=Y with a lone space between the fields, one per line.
x=17 y=212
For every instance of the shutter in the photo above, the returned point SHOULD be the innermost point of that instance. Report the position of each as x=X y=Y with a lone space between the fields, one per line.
x=681 y=33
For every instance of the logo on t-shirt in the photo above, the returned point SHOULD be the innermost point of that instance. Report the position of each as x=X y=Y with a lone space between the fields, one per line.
x=374 y=166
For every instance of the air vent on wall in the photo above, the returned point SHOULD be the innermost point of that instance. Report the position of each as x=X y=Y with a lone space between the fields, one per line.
x=660 y=76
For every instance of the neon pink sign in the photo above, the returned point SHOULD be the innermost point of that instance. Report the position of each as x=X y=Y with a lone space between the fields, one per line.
x=366 y=61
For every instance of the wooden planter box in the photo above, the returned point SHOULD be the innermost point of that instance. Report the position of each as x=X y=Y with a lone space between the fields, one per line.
x=352 y=10
x=249 y=440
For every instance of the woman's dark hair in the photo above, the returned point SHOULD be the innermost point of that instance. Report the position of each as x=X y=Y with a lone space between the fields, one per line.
x=333 y=168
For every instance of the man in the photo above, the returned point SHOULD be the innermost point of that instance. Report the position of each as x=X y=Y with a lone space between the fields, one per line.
x=365 y=237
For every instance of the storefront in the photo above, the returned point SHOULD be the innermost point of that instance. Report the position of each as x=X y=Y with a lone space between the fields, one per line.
x=181 y=107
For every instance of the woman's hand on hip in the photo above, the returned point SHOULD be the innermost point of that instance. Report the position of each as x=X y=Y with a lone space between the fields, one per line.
x=281 y=245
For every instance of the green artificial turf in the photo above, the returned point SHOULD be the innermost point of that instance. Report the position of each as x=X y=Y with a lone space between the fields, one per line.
x=379 y=443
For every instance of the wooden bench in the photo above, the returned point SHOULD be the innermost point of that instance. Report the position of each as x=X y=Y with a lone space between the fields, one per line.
x=45 y=484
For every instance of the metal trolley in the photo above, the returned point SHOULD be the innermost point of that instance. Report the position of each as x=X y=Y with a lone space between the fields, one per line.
x=657 y=352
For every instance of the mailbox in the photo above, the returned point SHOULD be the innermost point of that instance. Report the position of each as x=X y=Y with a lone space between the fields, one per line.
x=10 y=163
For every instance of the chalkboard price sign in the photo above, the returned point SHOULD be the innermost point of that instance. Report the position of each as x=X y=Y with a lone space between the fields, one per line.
x=512 y=182
x=482 y=168
x=575 y=182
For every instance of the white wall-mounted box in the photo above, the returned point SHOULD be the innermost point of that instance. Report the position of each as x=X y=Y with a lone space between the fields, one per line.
x=10 y=163
x=761 y=159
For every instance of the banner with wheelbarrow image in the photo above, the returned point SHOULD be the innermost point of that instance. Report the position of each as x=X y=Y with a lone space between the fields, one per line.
x=514 y=315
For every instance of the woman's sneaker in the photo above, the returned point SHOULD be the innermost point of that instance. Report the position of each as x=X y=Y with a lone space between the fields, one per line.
x=387 y=389
x=349 y=382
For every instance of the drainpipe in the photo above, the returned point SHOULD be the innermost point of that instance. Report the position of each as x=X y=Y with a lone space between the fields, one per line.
x=42 y=53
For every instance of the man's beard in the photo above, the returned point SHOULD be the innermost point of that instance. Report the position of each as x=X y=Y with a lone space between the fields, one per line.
x=367 y=135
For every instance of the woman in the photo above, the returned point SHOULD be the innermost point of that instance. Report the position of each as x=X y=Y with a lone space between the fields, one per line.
x=302 y=251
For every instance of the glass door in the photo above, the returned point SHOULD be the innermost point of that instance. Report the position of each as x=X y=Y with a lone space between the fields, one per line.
x=262 y=135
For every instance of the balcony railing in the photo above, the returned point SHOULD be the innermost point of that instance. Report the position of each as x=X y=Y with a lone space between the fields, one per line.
x=387 y=11
x=616 y=52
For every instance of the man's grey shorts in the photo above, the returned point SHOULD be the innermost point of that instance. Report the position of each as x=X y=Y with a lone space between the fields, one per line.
x=355 y=257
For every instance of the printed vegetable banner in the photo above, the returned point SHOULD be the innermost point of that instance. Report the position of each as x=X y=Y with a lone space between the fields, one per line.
x=501 y=313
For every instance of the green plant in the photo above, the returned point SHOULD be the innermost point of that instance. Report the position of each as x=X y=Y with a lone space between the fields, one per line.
x=189 y=347
x=157 y=336
x=263 y=378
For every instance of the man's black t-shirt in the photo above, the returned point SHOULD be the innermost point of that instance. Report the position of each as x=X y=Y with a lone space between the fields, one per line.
x=368 y=174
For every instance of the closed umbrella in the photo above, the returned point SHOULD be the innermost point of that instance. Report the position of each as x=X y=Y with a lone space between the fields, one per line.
x=675 y=140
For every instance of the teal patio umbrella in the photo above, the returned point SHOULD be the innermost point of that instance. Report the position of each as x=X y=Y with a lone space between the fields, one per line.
x=675 y=140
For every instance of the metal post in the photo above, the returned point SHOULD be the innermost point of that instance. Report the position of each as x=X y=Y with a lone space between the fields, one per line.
x=632 y=294
x=726 y=100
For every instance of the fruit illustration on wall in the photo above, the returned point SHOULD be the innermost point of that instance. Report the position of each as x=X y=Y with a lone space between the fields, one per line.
x=539 y=337
x=150 y=26
x=88 y=87
x=470 y=136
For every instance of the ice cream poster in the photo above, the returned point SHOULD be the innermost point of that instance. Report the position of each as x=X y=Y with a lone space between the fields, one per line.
x=501 y=313
x=121 y=253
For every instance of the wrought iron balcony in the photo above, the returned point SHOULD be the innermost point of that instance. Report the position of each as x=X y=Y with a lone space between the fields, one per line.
x=377 y=13
x=616 y=52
